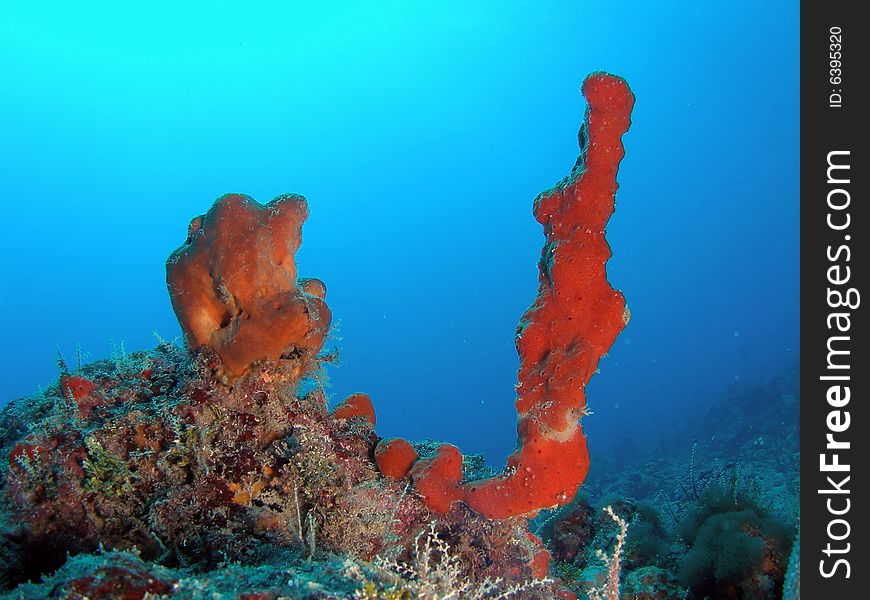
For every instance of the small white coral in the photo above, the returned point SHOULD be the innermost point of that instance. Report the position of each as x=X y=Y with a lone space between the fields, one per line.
x=436 y=574
x=609 y=590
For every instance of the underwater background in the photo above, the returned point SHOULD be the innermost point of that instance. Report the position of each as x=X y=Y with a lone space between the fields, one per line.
x=420 y=133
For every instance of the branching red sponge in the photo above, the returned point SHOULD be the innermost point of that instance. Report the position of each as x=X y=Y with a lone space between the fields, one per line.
x=562 y=336
x=233 y=284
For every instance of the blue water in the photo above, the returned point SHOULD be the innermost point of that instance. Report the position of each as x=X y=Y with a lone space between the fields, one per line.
x=420 y=134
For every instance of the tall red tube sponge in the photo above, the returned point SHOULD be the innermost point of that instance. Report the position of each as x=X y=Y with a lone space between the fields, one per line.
x=560 y=339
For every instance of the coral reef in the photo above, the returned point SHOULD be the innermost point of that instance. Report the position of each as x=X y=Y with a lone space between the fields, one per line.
x=714 y=520
x=726 y=546
x=194 y=475
x=161 y=472
x=216 y=469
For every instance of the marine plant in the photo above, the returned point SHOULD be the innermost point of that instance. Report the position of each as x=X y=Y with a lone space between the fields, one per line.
x=736 y=547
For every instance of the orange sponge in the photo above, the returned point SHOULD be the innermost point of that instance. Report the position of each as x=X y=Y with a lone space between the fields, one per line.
x=395 y=457
x=358 y=405
x=233 y=284
x=562 y=336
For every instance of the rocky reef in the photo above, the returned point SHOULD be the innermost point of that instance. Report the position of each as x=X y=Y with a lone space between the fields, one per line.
x=168 y=462
x=215 y=469
x=712 y=512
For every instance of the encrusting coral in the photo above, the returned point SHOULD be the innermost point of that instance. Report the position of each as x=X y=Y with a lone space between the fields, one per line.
x=227 y=453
